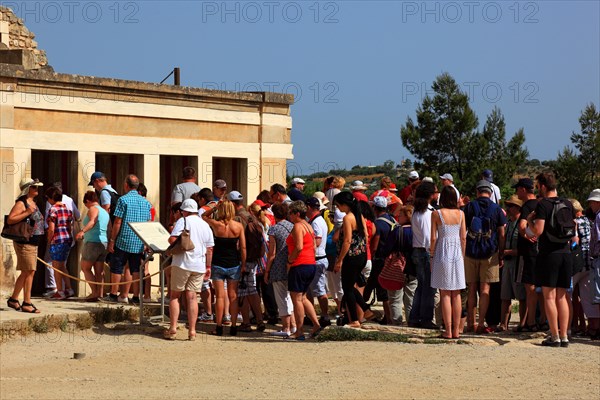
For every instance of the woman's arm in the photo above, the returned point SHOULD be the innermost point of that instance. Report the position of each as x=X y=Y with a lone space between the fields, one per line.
x=19 y=212
x=347 y=228
x=298 y=244
x=242 y=245
x=93 y=216
x=50 y=233
x=271 y=252
x=463 y=235
x=435 y=218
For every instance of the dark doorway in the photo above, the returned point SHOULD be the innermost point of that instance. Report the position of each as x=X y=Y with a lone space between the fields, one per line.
x=171 y=171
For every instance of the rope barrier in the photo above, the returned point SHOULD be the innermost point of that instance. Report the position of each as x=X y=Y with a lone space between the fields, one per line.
x=98 y=283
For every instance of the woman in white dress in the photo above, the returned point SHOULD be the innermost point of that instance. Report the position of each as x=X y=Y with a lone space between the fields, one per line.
x=448 y=242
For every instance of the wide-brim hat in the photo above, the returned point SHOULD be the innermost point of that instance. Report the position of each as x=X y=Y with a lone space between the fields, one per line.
x=26 y=183
x=514 y=199
x=358 y=185
x=594 y=195
x=189 y=205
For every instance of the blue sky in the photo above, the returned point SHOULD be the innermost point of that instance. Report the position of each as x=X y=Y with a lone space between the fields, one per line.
x=359 y=68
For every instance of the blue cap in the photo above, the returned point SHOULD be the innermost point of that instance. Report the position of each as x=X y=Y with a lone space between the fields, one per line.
x=488 y=175
x=96 y=175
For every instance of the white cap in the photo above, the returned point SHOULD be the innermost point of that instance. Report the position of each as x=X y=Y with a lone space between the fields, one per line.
x=448 y=177
x=297 y=180
x=380 y=201
x=235 y=195
x=428 y=179
x=189 y=205
x=413 y=175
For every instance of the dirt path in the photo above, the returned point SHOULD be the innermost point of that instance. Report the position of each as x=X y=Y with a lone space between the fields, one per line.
x=131 y=363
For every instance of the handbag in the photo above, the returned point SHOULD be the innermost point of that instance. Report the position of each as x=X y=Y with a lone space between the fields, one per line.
x=578 y=259
x=392 y=274
x=20 y=231
x=183 y=242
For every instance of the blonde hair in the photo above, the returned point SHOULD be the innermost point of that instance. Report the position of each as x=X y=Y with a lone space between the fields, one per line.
x=226 y=211
x=257 y=211
x=338 y=182
x=576 y=205
x=408 y=211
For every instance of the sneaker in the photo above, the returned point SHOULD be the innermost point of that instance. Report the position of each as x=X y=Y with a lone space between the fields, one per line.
x=564 y=342
x=109 y=298
x=281 y=334
x=49 y=293
x=58 y=296
x=227 y=320
x=552 y=343
x=135 y=301
x=69 y=293
x=205 y=317
x=123 y=300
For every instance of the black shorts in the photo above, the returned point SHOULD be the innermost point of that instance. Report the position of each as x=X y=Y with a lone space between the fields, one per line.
x=528 y=272
x=554 y=270
x=300 y=277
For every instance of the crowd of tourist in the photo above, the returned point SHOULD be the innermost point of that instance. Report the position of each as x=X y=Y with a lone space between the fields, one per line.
x=434 y=258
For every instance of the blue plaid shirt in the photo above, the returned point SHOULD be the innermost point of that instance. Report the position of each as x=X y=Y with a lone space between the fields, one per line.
x=131 y=207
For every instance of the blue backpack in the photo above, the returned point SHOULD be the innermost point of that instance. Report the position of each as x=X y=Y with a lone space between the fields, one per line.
x=480 y=243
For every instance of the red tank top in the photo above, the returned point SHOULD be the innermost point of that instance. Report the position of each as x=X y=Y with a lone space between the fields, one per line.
x=307 y=255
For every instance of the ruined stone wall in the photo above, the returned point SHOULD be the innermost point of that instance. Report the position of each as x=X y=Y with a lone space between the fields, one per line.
x=14 y=35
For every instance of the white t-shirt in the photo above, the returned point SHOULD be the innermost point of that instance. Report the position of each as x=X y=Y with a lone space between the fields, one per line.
x=421 y=228
x=202 y=237
x=320 y=227
x=495 y=197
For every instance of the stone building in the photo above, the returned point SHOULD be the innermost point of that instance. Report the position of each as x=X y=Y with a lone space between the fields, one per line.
x=60 y=127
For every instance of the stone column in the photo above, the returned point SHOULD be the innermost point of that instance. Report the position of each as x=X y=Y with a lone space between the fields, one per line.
x=86 y=165
x=151 y=179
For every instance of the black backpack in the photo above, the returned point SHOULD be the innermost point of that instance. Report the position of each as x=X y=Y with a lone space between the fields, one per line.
x=561 y=226
x=114 y=198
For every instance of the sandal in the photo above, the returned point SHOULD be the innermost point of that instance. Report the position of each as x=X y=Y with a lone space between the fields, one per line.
x=261 y=327
x=13 y=303
x=168 y=335
x=34 y=310
x=192 y=336
x=246 y=328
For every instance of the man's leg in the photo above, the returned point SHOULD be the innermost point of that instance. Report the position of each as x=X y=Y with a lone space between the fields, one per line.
x=484 y=302
x=551 y=310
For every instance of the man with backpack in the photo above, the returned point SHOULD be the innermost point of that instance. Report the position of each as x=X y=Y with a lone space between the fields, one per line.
x=553 y=222
x=485 y=242
x=107 y=195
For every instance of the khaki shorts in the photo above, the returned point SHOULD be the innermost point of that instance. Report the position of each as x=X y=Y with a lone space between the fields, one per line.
x=26 y=256
x=182 y=280
x=483 y=271
x=94 y=252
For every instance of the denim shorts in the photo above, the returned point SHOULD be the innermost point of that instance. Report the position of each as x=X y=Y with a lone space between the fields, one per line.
x=120 y=258
x=60 y=251
x=220 y=274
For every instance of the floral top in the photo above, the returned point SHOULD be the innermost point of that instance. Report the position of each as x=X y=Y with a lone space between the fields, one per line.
x=280 y=231
x=358 y=244
x=584 y=233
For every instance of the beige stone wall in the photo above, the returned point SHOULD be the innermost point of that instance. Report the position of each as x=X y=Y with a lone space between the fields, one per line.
x=15 y=35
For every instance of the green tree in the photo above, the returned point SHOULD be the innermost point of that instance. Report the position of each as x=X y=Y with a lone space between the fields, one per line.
x=445 y=139
x=442 y=137
x=495 y=153
x=578 y=170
